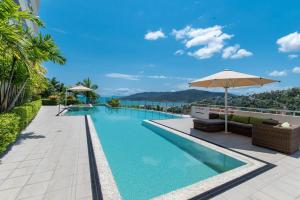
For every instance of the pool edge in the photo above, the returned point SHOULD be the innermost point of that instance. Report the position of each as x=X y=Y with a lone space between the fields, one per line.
x=193 y=191
x=102 y=179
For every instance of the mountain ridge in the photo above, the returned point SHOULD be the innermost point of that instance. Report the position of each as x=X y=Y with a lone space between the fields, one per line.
x=188 y=96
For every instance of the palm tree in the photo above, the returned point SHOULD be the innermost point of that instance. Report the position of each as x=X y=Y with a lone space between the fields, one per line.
x=21 y=54
x=41 y=49
x=12 y=43
x=91 y=95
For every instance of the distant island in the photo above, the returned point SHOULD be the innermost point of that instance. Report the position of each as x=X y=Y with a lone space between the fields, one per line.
x=187 y=96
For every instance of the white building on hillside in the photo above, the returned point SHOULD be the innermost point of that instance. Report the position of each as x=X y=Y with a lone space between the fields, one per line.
x=32 y=5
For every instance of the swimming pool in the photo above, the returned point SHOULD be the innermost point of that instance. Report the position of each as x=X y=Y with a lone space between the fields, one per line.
x=147 y=161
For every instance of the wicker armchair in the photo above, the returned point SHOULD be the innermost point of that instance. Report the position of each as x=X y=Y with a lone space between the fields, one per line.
x=285 y=140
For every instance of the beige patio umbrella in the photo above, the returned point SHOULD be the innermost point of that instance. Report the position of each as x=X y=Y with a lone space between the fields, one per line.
x=77 y=88
x=230 y=79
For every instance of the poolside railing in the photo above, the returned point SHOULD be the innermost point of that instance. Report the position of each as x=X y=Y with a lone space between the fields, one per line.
x=162 y=106
x=251 y=109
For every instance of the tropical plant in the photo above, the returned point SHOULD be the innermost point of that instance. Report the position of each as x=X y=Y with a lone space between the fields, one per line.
x=114 y=102
x=54 y=87
x=91 y=96
x=21 y=56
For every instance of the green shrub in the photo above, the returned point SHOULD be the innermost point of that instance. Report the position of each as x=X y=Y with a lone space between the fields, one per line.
x=49 y=102
x=24 y=113
x=12 y=123
x=9 y=129
x=229 y=117
x=73 y=102
x=254 y=120
x=27 y=112
x=35 y=105
x=241 y=119
x=114 y=103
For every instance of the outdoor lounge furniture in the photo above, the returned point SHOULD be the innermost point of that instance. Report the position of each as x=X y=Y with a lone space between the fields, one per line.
x=285 y=140
x=240 y=128
x=209 y=125
x=241 y=125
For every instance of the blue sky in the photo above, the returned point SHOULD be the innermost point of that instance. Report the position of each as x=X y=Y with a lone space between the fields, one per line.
x=129 y=46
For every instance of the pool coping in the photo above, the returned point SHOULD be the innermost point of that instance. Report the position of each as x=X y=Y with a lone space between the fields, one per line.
x=103 y=183
x=213 y=190
x=105 y=187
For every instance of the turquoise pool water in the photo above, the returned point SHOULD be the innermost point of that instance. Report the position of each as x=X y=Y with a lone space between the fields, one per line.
x=147 y=161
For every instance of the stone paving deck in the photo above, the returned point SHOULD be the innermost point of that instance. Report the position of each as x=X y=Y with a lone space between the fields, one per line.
x=279 y=183
x=49 y=161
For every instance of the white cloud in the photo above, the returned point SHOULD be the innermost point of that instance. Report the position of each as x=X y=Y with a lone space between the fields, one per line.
x=183 y=78
x=289 y=43
x=154 y=35
x=179 y=52
x=234 y=52
x=182 y=33
x=278 y=73
x=210 y=39
x=296 y=70
x=158 y=77
x=123 y=76
x=293 y=56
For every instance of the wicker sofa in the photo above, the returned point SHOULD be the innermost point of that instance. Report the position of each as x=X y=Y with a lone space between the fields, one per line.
x=285 y=140
x=236 y=124
x=209 y=125
x=240 y=128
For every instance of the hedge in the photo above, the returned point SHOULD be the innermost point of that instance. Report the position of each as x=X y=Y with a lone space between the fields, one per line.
x=49 y=102
x=35 y=106
x=24 y=113
x=240 y=119
x=27 y=112
x=12 y=123
x=9 y=129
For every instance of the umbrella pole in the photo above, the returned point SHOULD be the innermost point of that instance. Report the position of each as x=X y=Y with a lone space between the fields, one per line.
x=226 y=110
x=66 y=98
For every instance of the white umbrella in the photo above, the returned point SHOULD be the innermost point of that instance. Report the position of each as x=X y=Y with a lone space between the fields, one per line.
x=80 y=88
x=230 y=79
x=77 y=88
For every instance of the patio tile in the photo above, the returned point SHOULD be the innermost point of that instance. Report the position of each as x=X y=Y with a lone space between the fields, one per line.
x=22 y=171
x=35 y=156
x=14 y=182
x=10 y=194
x=32 y=190
x=260 y=196
x=83 y=178
x=277 y=193
x=40 y=197
x=5 y=174
x=60 y=182
x=29 y=163
x=43 y=167
x=8 y=166
x=240 y=192
x=40 y=177
x=12 y=158
x=62 y=194
x=83 y=190
x=35 y=167
x=63 y=171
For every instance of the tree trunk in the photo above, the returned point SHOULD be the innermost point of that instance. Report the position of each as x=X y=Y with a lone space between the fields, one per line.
x=12 y=104
x=4 y=102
